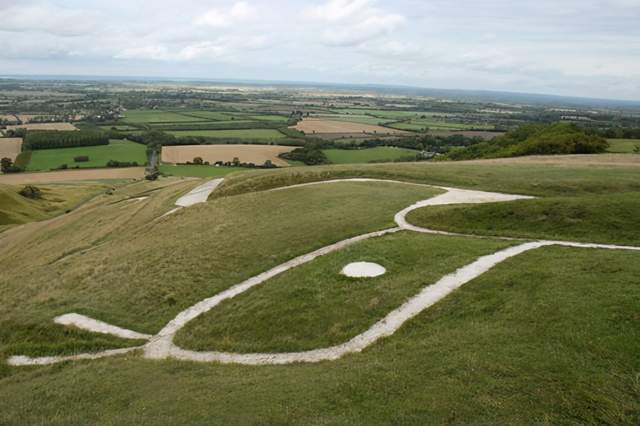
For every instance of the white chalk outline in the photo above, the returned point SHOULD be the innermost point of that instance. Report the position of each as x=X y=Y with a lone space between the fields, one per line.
x=161 y=346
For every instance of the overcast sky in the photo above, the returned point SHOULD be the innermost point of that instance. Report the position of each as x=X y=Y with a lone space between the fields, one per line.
x=569 y=47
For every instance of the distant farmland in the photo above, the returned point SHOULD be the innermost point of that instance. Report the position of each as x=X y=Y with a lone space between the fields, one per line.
x=256 y=154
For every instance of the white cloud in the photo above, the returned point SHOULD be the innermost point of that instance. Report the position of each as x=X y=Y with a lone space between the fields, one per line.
x=44 y=18
x=352 y=22
x=225 y=18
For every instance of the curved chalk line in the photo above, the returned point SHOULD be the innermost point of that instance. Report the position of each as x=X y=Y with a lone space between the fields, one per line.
x=161 y=346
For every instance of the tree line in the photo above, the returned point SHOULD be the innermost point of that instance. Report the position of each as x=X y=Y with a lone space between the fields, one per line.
x=62 y=139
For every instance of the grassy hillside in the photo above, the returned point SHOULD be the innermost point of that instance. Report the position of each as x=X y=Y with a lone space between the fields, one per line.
x=56 y=199
x=117 y=150
x=549 y=336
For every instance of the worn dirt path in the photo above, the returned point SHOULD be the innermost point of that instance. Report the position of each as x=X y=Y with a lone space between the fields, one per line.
x=161 y=346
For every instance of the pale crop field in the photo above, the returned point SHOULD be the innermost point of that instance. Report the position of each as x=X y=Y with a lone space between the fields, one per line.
x=10 y=147
x=43 y=126
x=256 y=154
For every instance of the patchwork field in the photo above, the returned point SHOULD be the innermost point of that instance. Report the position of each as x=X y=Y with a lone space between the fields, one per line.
x=117 y=150
x=310 y=126
x=256 y=154
x=10 y=147
x=43 y=126
x=379 y=154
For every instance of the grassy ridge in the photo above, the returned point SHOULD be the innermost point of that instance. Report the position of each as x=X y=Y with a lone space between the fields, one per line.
x=531 y=179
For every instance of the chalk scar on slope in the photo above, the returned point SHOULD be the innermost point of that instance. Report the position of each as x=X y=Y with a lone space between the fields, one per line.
x=161 y=346
x=198 y=195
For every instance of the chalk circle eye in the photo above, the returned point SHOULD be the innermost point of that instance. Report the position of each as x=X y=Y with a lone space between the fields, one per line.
x=363 y=270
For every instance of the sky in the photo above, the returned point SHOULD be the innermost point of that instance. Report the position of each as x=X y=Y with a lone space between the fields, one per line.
x=587 y=48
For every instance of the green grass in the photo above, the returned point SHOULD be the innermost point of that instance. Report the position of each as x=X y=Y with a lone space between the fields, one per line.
x=118 y=150
x=605 y=218
x=155 y=116
x=355 y=156
x=548 y=337
x=198 y=171
x=268 y=134
x=623 y=146
x=314 y=306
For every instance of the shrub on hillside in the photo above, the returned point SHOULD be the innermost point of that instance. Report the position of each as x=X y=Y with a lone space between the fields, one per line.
x=81 y=159
x=31 y=192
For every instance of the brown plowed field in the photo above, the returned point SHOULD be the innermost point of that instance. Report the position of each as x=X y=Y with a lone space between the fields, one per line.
x=256 y=154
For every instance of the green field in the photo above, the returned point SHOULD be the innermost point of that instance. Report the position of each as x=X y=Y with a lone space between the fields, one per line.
x=547 y=337
x=230 y=134
x=198 y=171
x=155 y=116
x=117 y=150
x=623 y=146
x=378 y=154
